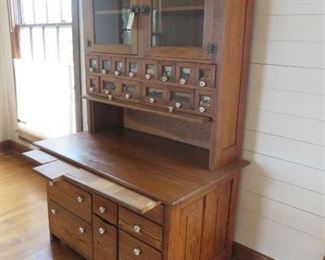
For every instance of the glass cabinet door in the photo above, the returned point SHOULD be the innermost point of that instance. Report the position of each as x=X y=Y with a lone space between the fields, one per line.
x=180 y=28
x=110 y=26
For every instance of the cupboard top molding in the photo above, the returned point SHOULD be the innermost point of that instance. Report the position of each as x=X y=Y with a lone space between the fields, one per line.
x=156 y=167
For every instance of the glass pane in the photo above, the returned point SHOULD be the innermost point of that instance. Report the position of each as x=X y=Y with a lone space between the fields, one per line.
x=66 y=11
x=205 y=75
x=66 y=48
x=133 y=67
x=150 y=69
x=185 y=73
x=205 y=101
x=113 y=21
x=54 y=11
x=119 y=66
x=182 y=98
x=109 y=86
x=128 y=89
x=51 y=48
x=177 y=23
x=106 y=65
x=25 y=44
x=154 y=93
x=167 y=71
x=38 y=46
x=27 y=12
x=40 y=11
x=93 y=83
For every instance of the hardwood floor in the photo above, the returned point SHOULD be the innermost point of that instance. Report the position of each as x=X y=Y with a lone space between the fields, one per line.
x=24 y=230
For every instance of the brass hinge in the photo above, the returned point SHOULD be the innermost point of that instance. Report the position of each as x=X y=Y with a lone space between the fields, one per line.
x=212 y=48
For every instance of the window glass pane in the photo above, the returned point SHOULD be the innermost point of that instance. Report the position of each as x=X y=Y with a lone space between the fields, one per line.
x=66 y=11
x=54 y=11
x=38 y=46
x=40 y=11
x=66 y=50
x=24 y=43
x=27 y=11
x=51 y=44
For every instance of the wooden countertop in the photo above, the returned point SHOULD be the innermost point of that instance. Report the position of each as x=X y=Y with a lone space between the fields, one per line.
x=162 y=169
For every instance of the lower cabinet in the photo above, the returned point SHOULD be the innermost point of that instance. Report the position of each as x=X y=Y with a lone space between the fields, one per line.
x=71 y=229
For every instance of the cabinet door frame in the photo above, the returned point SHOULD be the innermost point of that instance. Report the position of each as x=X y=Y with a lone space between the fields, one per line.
x=89 y=33
x=182 y=52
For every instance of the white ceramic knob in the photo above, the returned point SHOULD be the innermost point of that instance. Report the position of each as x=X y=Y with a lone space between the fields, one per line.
x=53 y=211
x=152 y=100
x=102 y=209
x=127 y=96
x=82 y=230
x=164 y=78
x=202 y=109
x=148 y=77
x=117 y=73
x=136 y=251
x=51 y=183
x=92 y=90
x=137 y=228
x=183 y=81
x=171 y=109
x=131 y=74
x=202 y=84
x=178 y=105
x=110 y=97
x=91 y=70
x=102 y=230
x=80 y=199
x=107 y=92
x=104 y=71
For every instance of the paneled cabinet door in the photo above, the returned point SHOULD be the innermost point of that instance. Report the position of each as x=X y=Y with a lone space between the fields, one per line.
x=110 y=26
x=179 y=29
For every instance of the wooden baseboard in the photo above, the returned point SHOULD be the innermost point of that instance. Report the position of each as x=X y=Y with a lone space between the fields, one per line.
x=241 y=252
x=5 y=146
x=12 y=146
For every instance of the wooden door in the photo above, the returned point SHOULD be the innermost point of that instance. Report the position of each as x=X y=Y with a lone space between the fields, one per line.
x=179 y=29
x=110 y=26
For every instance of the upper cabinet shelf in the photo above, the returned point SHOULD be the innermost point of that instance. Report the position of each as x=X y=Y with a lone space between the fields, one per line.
x=173 y=29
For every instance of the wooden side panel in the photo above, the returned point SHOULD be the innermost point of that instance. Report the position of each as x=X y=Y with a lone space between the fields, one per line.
x=227 y=132
x=185 y=238
x=215 y=221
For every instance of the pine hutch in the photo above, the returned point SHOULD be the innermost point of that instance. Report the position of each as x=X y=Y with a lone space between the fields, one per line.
x=157 y=174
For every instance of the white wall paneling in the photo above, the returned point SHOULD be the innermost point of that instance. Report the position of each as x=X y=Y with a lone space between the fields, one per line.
x=281 y=211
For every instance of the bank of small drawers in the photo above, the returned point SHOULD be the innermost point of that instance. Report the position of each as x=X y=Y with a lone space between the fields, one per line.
x=99 y=228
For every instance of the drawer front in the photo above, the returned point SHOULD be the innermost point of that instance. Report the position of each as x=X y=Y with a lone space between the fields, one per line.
x=105 y=240
x=141 y=228
x=156 y=214
x=131 y=248
x=104 y=208
x=71 y=198
x=74 y=231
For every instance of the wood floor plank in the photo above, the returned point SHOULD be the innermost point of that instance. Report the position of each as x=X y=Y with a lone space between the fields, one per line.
x=24 y=230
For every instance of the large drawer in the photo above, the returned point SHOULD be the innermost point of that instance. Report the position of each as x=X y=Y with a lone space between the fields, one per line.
x=105 y=240
x=72 y=198
x=141 y=228
x=74 y=231
x=132 y=248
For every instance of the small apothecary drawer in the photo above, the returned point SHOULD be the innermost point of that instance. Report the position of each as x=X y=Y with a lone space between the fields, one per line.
x=105 y=240
x=71 y=198
x=71 y=229
x=105 y=209
x=141 y=228
x=132 y=248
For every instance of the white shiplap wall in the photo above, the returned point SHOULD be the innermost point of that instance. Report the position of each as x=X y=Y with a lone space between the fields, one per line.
x=282 y=198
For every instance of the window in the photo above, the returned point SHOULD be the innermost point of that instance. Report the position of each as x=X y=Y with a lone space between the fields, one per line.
x=44 y=66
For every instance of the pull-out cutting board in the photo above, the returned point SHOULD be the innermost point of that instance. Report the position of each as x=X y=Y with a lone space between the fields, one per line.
x=122 y=195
